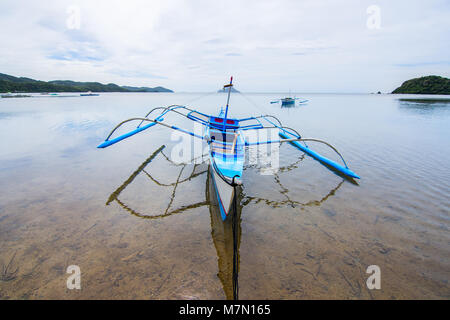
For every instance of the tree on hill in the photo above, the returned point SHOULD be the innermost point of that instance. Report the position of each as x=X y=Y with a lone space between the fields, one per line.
x=425 y=85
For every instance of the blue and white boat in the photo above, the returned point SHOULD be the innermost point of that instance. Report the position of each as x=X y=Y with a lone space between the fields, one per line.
x=289 y=102
x=89 y=94
x=226 y=138
x=226 y=157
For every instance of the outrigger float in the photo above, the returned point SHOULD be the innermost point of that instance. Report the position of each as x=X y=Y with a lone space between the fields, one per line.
x=226 y=139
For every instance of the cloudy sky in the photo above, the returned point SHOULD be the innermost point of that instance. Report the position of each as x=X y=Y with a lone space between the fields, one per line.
x=195 y=45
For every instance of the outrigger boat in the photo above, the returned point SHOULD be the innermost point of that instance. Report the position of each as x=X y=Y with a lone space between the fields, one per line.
x=227 y=141
x=89 y=94
x=289 y=102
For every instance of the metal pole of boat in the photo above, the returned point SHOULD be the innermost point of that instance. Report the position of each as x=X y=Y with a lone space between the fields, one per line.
x=228 y=101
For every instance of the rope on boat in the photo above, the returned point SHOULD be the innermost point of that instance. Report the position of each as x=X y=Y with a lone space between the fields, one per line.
x=202 y=96
x=168 y=108
x=280 y=125
x=252 y=103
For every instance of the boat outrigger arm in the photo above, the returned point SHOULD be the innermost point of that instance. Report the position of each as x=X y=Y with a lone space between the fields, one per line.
x=286 y=134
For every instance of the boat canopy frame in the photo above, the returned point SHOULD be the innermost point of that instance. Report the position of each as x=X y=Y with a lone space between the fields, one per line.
x=286 y=134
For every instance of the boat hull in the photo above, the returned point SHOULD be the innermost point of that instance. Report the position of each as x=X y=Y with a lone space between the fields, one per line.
x=287 y=102
x=226 y=157
x=224 y=193
x=222 y=235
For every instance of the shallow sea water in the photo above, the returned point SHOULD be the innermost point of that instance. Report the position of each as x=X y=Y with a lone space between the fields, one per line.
x=305 y=232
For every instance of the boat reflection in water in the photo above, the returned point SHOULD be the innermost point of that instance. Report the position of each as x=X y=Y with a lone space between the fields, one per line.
x=221 y=231
x=226 y=242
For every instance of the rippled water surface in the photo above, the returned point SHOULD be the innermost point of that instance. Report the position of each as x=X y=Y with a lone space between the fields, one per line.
x=142 y=227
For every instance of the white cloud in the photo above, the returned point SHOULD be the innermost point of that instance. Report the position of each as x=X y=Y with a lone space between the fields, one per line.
x=196 y=45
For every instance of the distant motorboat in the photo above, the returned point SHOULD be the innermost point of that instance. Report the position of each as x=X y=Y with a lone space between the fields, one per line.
x=89 y=94
x=289 y=102
x=10 y=95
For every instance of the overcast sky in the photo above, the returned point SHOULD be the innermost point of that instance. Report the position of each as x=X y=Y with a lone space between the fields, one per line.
x=276 y=46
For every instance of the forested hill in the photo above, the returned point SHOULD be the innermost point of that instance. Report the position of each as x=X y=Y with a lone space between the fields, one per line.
x=425 y=85
x=14 y=84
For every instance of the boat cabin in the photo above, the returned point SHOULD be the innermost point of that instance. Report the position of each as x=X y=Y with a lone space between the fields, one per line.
x=218 y=122
x=223 y=142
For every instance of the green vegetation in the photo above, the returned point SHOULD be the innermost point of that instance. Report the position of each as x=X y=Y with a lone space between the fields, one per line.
x=146 y=89
x=13 y=84
x=425 y=85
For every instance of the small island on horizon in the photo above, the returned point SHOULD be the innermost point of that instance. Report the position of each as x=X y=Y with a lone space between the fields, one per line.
x=225 y=90
x=10 y=83
x=425 y=85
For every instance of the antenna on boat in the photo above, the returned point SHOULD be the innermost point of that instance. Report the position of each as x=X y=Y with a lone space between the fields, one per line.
x=228 y=101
